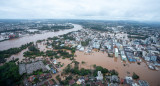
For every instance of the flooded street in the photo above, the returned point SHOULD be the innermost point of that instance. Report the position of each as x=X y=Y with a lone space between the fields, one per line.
x=102 y=59
x=33 y=38
x=65 y=62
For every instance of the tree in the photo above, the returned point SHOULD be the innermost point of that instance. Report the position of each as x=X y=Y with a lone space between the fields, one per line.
x=83 y=62
x=113 y=72
x=135 y=76
x=69 y=77
x=94 y=65
x=9 y=74
x=32 y=48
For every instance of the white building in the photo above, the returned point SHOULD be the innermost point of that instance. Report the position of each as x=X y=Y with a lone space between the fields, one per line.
x=100 y=75
x=116 y=52
x=81 y=49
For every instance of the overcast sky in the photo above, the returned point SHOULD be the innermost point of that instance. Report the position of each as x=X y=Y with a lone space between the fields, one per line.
x=81 y=9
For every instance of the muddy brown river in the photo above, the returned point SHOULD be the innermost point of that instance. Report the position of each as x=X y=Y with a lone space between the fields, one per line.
x=33 y=38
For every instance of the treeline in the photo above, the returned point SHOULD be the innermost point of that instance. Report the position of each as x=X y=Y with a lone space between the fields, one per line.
x=85 y=43
x=69 y=70
x=39 y=41
x=66 y=36
x=9 y=74
x=83 y=72
x=75 y=70
x=96 y=25
x=33 y=52
x=62 y=53
x=65 y=54
x=72 y=49
x=138 y=37
x=7 y=53
x=99 y=28
x=12 y=30
x=57 y=27
x=104 y=71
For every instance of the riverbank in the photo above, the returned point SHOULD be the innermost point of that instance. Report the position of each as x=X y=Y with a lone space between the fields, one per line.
x=33 y=38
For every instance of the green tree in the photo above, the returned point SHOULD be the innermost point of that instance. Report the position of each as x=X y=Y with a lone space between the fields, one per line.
x=135 y=76
x=9 y=74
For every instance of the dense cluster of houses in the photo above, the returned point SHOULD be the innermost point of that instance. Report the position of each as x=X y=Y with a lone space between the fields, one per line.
x=8 y=35
x=51 y=66
x=118 y=44
x=29 y=68
x=107 y=80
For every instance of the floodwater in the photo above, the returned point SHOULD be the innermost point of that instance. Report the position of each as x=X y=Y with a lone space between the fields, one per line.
x=18 y=55
x=65 y=62
x=102 y=59
x=98 y=58
x=33 y=38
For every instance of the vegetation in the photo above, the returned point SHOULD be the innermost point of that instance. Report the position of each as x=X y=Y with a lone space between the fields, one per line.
x=58 y=78
x=83 y=72
x=50 y=53
x=100 y=28
x=138 y=37
x=39 y=41
x=12 y=30
x=99 y=68
x=66 y=47
x=33 y=52
x=76 y=70
x=85 y=43
x=66 y=36
x=7 y=53
x=57 y=27
x=135 y=76
x=53 y=38
x=9 y=74
x=33 y=48
x=64 y=54
x=83 y=62
x=113 y=72
x=38 y=72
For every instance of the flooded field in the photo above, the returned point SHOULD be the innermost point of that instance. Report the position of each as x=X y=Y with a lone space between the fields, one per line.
x=102 y=59
x=33 y=38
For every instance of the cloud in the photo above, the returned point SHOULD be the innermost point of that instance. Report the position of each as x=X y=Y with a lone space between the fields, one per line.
x=81 y=9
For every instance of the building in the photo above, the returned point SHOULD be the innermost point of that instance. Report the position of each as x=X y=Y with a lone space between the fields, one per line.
x=123 y=56
x=114 y=78
x=129 y=80
x=116 y=52
x=96 y=45
x=31 y=78
x=48 y=68
x=50 y=82
x=143 y=83
x=53 y=70
x=80 y=81
x=154 y=58
x=100 y=75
